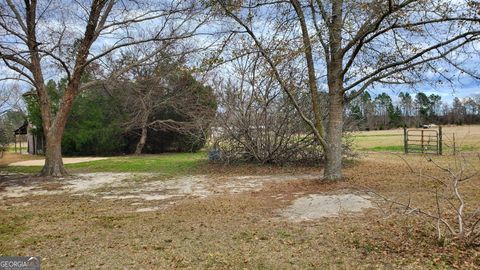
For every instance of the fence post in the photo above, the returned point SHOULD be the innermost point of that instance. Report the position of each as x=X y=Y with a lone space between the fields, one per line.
x=440 y=141
x=454 y=145
x=405 y=139
x=423 y=150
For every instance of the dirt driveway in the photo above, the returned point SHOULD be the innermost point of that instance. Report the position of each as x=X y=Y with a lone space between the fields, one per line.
x=41 y=162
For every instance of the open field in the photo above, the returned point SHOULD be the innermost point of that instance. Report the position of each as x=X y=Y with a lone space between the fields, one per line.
x=178 y=211
x=24 y=148
x=467 y=138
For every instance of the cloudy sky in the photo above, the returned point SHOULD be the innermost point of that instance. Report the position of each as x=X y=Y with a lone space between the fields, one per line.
x=457 y=84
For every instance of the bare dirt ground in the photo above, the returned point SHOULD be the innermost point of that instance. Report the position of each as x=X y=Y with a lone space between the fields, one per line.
x=227 y=217
x=150 y=192
x=41 y=162
x=317 y=206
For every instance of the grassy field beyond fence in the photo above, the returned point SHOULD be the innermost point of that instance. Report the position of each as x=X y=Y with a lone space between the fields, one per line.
x=465 y=138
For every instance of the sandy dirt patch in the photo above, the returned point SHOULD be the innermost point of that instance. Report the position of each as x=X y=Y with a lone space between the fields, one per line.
x=152 y=192
x=78 y=184
x=41 y=162
x=317 y=206
x=144 y=187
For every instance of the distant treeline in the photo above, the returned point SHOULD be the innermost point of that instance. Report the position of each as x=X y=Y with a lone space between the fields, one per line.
x=381 y=112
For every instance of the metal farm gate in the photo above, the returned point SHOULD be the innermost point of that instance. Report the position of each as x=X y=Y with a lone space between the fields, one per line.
x=425 y=141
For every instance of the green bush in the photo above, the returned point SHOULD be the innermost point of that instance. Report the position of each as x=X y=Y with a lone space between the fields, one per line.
x=165 y=141
x=95 y=124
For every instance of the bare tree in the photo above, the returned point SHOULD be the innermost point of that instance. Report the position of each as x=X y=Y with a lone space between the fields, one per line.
x=256 y=122
x=10 y=106
x=350 y=46
x=162 y=95
x=10 y=97
x=453 y=214
x=160 y=103
x=41 y=39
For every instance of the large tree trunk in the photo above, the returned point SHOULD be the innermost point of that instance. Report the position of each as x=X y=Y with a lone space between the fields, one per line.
x=142 y=141
x=334 y=153
x=53 y=156
x=53 y=135
x=54 y=124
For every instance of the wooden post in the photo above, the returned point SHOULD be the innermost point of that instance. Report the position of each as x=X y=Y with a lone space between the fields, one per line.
x=34 y=146
x=454 y=146
x=15 y=136
x=422 y=141
x=440 y=141
x=405 y=139
x=20 y=145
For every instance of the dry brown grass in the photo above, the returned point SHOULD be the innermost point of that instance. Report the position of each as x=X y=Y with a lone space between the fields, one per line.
x=237 y=231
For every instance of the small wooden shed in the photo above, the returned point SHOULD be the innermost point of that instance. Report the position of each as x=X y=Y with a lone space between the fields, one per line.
x=35 y=142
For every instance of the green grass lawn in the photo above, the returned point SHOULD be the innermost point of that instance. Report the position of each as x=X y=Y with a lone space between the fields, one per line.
x=11 y=149
x=387 y=148
x=168 y=164
x=400 y=148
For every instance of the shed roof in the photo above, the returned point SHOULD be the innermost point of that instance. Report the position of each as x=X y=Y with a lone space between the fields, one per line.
x=22 y=129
